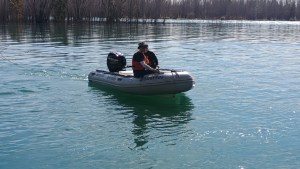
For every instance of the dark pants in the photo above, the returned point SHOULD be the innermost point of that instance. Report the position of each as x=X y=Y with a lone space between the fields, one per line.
x=141 y=73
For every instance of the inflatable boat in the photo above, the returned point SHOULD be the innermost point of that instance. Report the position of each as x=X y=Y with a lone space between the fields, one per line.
x=164 y=82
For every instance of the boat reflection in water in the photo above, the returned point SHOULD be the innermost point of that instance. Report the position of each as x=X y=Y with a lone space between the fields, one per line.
x=164 y=115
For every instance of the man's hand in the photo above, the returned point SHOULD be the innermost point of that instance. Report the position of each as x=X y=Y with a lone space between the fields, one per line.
x=155 y=71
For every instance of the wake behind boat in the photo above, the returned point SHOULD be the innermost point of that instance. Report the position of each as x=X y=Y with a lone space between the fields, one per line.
x=165 y=82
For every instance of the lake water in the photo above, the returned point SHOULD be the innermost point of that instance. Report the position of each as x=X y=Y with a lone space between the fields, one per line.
x=244 y=111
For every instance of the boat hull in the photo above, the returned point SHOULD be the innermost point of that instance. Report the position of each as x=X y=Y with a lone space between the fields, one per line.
x=166 y=82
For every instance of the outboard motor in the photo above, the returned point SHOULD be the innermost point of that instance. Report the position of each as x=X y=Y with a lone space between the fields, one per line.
x=116 y=61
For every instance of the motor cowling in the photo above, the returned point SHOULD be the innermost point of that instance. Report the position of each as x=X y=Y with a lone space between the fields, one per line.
x=116 y=61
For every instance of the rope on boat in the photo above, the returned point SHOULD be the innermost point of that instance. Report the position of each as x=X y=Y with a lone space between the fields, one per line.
x=174 y=72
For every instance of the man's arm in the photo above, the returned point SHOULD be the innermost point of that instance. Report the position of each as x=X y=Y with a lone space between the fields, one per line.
x=148 y=67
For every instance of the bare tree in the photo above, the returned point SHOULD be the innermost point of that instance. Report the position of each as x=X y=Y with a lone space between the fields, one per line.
x=113 y=9
x=297 y=10
x=78 y=9
x=59 y=10
x=39 y=10
x=3 y=11
x=16 y=9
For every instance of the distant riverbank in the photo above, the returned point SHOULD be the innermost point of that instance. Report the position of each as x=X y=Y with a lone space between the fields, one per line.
x=133 y=11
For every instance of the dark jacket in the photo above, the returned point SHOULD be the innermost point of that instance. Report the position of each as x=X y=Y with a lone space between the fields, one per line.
x=153 y=59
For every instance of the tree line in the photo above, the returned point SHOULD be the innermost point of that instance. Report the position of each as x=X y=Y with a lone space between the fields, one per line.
x=41 y=11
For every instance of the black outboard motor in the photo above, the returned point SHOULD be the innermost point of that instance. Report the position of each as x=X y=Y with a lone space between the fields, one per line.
x=116 y=61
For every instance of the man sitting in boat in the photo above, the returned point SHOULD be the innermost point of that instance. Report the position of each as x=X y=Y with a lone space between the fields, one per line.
x=141 y=63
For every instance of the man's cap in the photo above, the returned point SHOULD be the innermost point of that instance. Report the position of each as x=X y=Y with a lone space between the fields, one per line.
x=142 y=45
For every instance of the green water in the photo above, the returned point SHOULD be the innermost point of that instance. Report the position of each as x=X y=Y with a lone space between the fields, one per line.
x=242 y=113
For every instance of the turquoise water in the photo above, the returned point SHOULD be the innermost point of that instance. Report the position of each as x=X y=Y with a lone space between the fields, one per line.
x=244 y=111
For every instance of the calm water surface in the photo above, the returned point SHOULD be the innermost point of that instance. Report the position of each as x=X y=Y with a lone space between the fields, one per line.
x=244 y=111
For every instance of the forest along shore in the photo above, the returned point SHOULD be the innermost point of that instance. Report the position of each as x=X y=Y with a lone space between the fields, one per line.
x=43 y=11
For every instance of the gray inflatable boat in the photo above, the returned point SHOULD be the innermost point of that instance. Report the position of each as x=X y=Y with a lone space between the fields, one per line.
x=165 y=82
